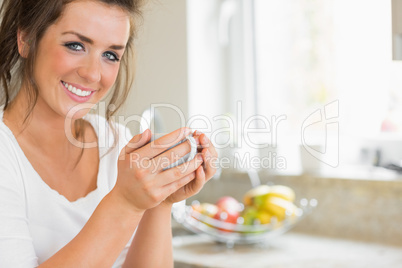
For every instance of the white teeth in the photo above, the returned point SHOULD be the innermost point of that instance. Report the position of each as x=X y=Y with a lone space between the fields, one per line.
x=77 y=91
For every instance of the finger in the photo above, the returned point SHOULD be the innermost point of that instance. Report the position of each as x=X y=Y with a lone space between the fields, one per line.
x=199 y=181
x=209 y=163
x=136 y=142
x=179 y=187
x=160 y=145
x=203 y=141
x=210 y=153
x=178 y=172
x=194 y=186
x=173 y=155
x=206 y=143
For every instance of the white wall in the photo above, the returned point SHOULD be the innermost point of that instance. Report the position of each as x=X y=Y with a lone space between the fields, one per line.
x=161 y=64
x=397 y=29
x=206 y=86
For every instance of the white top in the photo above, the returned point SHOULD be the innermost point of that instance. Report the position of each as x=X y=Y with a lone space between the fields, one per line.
x=35 y=220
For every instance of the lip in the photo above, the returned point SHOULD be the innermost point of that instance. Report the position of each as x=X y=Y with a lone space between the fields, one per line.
x=79 y=86
x=77 y=98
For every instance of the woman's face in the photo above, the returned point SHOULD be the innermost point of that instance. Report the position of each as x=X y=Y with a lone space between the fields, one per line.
x=78 y=57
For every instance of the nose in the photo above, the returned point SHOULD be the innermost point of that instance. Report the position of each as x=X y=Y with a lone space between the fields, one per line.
x=90 y=70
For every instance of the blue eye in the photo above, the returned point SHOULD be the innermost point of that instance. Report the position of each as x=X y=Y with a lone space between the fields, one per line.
x=111 y=56
x=75 y=46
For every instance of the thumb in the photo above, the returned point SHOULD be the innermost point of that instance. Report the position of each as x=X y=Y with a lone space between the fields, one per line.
x=137 y=142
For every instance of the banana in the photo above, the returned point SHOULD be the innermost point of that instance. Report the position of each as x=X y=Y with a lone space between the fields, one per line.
x=256 y=196
x=283 y=192
x=278 y=207
x=264 y=217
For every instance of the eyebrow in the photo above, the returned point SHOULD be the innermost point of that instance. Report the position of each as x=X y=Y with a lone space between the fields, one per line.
x=90 y=41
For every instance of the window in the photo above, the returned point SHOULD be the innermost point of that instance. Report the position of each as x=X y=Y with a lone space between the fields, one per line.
x=292 y=58
x=312 y=52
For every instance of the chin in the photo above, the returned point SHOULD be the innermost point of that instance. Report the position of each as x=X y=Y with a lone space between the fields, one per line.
x=78 y=111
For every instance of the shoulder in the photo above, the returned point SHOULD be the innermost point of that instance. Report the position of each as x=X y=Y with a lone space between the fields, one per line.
x=11 y=169
x=8 y=144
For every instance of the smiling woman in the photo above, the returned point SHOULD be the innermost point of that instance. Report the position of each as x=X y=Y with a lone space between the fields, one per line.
x=63 y=205
x=73 y=52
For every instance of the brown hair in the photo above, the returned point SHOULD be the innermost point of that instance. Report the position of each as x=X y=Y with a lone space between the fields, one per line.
x=34 y=17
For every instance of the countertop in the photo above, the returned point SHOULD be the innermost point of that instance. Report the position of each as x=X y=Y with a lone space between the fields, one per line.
x=354 y=209
x=291 y=250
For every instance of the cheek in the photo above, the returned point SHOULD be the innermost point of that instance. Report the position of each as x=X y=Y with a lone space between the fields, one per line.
x=54 y=64
x=109 y=76
x=62 y=62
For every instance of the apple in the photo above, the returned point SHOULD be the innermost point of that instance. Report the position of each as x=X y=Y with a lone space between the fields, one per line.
x=227 y=216
x=228 y=203
x=228 y=210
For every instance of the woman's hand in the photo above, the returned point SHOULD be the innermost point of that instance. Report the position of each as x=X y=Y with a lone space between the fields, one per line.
x=202 y=174
x=142 y=183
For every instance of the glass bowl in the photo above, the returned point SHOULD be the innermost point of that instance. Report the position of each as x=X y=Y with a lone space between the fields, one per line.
x=232 y=234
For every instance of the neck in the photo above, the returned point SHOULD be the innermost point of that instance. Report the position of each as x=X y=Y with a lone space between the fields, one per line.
x=42 y=122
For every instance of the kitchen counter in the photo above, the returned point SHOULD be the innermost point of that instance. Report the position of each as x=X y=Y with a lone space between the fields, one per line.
x=291 y=250
x=357 y=223
x=354 y=209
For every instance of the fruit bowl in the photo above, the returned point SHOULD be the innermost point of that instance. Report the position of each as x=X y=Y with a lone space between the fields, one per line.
x=238 y=233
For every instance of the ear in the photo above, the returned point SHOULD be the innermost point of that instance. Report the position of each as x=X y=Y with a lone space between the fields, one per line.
x=23 y=44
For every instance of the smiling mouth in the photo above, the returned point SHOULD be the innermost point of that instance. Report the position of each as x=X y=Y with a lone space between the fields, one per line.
x=77 y=91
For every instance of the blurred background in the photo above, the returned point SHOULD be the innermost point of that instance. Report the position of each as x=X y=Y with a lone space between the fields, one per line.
x=262 y=73
x=302 y=93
